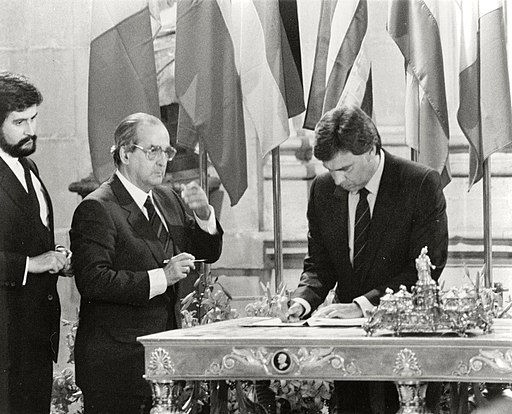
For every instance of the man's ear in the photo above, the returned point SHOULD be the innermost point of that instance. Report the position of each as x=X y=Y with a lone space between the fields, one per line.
x=372 y=152
x=124 y=155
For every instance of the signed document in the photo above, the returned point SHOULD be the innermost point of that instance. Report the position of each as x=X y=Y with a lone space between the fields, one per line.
x=335 y=321
x=268 y=321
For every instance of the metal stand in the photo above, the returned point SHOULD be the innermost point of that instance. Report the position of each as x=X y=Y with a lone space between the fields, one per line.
x=412 y=397
x=278 y=223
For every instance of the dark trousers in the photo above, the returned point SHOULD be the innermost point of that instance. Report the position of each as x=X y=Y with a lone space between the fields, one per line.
x=26 y=388
x=362 y=397
x=96 y=402
x=377 y=397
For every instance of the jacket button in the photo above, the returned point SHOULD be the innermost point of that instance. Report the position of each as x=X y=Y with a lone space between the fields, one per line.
x=50 y=297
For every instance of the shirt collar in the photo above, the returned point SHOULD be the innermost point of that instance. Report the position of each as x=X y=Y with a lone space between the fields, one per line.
x=373 y=185
x=11 y=161
x=138 y=195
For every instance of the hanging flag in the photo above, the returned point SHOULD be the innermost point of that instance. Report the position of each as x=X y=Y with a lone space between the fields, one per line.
x=122 y=74
x=208 y=90
x=271 y=84
x=291 y=57
x=484 y=111
x=414 y=28
x=342 y=70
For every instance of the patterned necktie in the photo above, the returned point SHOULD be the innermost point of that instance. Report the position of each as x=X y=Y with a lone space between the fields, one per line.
x=156 y=224
x=361 y=228
x=30 y=185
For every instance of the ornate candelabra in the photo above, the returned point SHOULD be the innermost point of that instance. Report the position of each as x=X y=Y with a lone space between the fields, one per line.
x=425 y=309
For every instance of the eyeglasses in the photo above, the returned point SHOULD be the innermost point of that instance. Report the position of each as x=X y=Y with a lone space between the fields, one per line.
x=156 y=151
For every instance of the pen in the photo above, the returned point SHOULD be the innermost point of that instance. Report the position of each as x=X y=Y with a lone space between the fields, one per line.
x=195 y=261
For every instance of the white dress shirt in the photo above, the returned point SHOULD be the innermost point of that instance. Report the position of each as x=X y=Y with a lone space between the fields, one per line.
x=353 y=198
x=16 y=167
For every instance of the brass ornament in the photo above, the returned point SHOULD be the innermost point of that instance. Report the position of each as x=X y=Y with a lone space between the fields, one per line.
x=427 y=310
x=284 y=361
x=494 y=359
x=160 y=363
x=407 y=365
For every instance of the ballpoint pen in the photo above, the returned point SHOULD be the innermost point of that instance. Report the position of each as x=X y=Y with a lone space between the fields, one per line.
x=195 y=261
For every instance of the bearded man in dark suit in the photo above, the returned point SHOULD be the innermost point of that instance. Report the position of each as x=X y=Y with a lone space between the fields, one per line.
x=133 y=242
x=29 y=260
x=369 y=217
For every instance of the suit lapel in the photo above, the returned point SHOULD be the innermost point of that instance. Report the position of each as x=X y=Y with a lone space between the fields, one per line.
x=45 y=194
x=171 y=217
x=48 y=201
x=137 y=220
x=340 y=221
x=382 y=211
x=13 y=187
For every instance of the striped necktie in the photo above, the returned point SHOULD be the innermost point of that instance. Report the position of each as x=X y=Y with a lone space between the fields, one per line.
x=156 y=224
x=361 y=229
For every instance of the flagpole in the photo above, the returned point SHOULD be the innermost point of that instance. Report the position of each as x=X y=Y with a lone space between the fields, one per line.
x=203 y=182
x=203 y=168
x=278 y=239
x=488 y=279
x=486 y=183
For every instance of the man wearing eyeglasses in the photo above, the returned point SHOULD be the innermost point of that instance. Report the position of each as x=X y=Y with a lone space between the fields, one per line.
x=133 y=241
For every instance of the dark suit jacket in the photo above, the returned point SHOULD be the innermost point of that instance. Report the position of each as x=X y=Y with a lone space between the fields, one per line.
x=29 y=314
x=409 y=213
x=113 y=247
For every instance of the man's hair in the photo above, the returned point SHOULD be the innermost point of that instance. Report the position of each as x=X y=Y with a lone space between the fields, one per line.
x=16 y=94
x=126 y=132
x=346 y=129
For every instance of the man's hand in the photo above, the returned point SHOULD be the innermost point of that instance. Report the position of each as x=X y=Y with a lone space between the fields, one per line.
x=50 y=261
x=295 y=311
x=340 y=310
x=67 y=270
x=195 y=198
x=178 y=268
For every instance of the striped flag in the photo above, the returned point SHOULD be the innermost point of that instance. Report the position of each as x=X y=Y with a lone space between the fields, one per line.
x=122 y=74
x=291 y=58
x=246 y=58
x=270 y=83
x=484 y=111
x=342 y=71
x=414 y=27
x=258 y=45
x=209 y=91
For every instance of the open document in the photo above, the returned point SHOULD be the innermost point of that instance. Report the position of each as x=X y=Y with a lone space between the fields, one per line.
x=309 y=322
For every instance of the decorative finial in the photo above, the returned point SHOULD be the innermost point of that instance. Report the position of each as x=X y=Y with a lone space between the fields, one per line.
x=423 y=266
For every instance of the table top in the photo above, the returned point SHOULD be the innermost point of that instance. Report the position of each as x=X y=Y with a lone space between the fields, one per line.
x=237 y=349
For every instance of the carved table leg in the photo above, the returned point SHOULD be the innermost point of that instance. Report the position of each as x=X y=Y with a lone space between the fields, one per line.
x=164 y=392
x=412 y=397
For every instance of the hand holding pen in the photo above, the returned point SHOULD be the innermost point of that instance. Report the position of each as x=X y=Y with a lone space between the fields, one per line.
x=178 y=267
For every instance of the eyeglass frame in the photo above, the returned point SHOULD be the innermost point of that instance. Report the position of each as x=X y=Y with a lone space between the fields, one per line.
x=159 y=153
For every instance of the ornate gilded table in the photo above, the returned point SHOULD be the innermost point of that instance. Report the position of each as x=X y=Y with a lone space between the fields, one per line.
x=234 y=350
